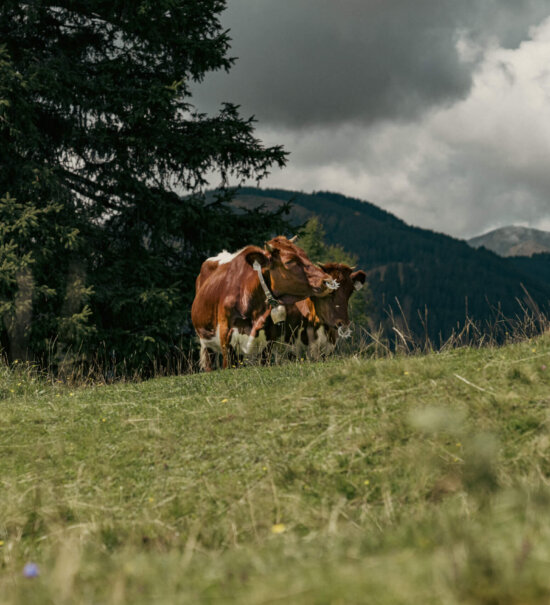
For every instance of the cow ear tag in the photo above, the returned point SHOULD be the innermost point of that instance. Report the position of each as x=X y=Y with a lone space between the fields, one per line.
x=278 y=314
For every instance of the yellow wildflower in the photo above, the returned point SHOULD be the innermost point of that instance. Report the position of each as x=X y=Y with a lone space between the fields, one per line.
x=278 y=528
x=366 y=482
x=225 y=400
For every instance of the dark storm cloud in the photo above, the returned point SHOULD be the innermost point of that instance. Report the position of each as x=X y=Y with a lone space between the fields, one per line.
x=436 y=110
x=508 y=20
x=305 y=63
x=478 y=164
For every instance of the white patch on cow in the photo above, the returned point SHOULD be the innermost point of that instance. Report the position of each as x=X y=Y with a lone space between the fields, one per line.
x=246 y=344
x=225 y=257
x=239 y=341
x=209 y=344
x=212 y=344
x=319 y=344
x=245 y=298
x=358 y=285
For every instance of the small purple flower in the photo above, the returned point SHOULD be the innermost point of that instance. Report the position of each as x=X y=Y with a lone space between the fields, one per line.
x=31 y=570
x=543 y=367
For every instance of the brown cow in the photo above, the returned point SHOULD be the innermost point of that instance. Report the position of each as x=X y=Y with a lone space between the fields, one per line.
x=230 y=307
x=314 y=325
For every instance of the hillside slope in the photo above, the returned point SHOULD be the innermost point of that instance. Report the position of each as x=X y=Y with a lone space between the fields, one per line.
x=422 y=269
x=538 y=266
x=418 y=479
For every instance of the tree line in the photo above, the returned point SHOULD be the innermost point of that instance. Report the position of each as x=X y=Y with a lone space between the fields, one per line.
x=433 y=282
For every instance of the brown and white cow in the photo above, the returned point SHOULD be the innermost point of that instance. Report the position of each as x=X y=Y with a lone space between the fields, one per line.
x=230 y=307
x=314 y=325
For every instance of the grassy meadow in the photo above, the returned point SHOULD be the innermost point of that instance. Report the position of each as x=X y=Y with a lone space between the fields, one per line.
x=408 y=479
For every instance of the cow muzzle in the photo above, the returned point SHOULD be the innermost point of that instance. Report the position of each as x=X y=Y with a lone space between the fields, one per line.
x=344 y=331
x=344 y=328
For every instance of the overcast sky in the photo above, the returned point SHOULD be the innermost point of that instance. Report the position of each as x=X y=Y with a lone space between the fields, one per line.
x=436 y=110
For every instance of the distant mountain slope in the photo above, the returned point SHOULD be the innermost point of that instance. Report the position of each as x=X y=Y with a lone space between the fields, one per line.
x=422 y=269
x=513 y=241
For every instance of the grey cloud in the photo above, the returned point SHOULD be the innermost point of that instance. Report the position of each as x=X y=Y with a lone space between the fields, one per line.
x=307 y=63
x=436 y=110
x=467 y=195
x=508 y=20
x=427 y=179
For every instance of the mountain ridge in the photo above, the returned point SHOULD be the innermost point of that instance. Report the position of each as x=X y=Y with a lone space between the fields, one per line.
x=513 y=240
x=412 y=271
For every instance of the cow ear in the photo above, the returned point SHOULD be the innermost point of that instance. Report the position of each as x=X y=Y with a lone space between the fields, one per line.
x=257 y=256
x=358 y=278
x=268 y=247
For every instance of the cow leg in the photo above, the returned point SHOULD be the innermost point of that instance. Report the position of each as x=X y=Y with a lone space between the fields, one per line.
x=265 y=358
x=313 y=343
x=235 y=359
x=259 y=325
x=206 y=357
x=225 y=346
x=225 y=357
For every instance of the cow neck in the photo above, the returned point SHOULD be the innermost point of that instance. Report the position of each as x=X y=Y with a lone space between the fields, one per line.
x=271 y=300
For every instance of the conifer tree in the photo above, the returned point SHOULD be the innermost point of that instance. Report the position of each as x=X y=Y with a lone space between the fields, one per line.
x=103 y=164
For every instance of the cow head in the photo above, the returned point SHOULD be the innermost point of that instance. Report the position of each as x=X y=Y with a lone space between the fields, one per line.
x=292 y=275
x=333 y=309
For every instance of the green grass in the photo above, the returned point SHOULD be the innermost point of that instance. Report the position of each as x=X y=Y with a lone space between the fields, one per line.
x=420 y=479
